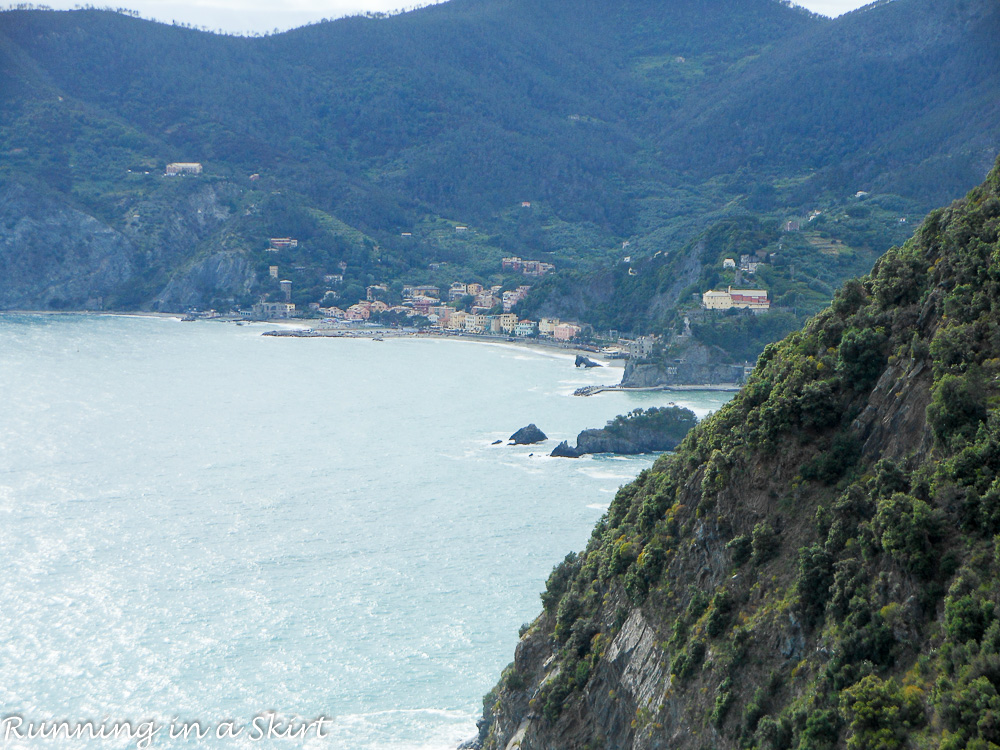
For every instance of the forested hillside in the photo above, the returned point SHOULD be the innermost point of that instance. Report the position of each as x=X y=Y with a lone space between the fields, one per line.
x=370 y=139
x=818 y=565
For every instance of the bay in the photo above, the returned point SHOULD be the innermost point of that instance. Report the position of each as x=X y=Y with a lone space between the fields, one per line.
x=201 y=523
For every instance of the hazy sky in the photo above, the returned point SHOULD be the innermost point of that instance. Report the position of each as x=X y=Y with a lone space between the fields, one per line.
x=242 y=16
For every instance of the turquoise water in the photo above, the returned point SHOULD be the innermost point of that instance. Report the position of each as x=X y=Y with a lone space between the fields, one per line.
x=201 y=523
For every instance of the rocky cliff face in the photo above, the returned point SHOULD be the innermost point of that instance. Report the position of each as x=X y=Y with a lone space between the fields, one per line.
x=818 y=566
x=53 y=256
x=219 y=276
x=651 y=374
x=697 y=365
x=636 y=441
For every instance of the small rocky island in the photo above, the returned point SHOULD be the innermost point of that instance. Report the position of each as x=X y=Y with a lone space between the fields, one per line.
x=640 y=431
x=528 y=436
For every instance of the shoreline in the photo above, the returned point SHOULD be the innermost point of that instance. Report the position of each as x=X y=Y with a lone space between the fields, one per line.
x=593 y=390
x=111 y=313
x=294 y=328
x=378 y=334
x=568 y=349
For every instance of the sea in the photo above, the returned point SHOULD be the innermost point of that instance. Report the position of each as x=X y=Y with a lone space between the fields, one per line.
x=209 y=532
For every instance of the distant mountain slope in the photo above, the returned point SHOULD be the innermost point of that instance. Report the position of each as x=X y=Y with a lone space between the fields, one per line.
x=464 y=106
x=899 y=97
x=641 y=121
x=818 y=565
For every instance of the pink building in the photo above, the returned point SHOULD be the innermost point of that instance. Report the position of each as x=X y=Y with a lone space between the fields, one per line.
x=565 y=332
x=357 y=312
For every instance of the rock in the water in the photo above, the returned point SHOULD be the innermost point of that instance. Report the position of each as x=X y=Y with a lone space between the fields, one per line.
x=564 y=450
x=496 y=442
x=653 y=430
x=528 y=436
x=582 y=361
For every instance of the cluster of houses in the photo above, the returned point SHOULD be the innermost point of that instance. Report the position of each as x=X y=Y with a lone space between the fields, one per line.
x=280 y=243
x=527 y=267
x=748 y=263
x=426 y=301
x=445 y=317
x=485 y=299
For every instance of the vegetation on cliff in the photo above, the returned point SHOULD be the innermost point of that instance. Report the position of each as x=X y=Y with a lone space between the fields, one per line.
x=818 y=565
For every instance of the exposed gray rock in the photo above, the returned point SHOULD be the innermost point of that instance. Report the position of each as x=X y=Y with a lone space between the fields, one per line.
x=582 y=361
x=649 y=375
x=223 y=274
x=53 y=256
x=564 y=450
x=528 y=436
x=696 y=364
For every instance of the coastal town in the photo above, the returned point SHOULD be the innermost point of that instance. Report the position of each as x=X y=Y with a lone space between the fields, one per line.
x=462 y=307
x=469 y=307
x=342 y=299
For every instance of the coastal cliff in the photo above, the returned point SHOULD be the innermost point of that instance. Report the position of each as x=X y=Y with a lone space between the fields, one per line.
x=697 y=364
x=222 y=274
x=818 y=565
x=167 y=252
x=54 y=256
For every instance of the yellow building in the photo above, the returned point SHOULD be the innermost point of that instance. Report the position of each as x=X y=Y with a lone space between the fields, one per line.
x=713 y=300
x=746 y=299
x=508 y=322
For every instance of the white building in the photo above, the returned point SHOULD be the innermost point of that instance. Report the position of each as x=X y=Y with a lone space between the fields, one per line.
x=525 y=328
x=183 y=167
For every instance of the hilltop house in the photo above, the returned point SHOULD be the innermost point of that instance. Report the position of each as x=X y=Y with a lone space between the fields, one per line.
x=746 y=299
x=183 y=167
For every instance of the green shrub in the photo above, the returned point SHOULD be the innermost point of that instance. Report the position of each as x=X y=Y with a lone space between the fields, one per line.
x=764 y=543
x=570 y=608
x=908 y=529
x=686 y=663
x=741 y=549
x=957 y=407
x=881 y=715
x=754 y=711
x=967 y=617
x=830 y=465
x=812 y=584
x=861 y=357
x=821 y=730
x=558 y=580
x=774 y=734
x=720 y=614
x=723 y=701
x=819 y=405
